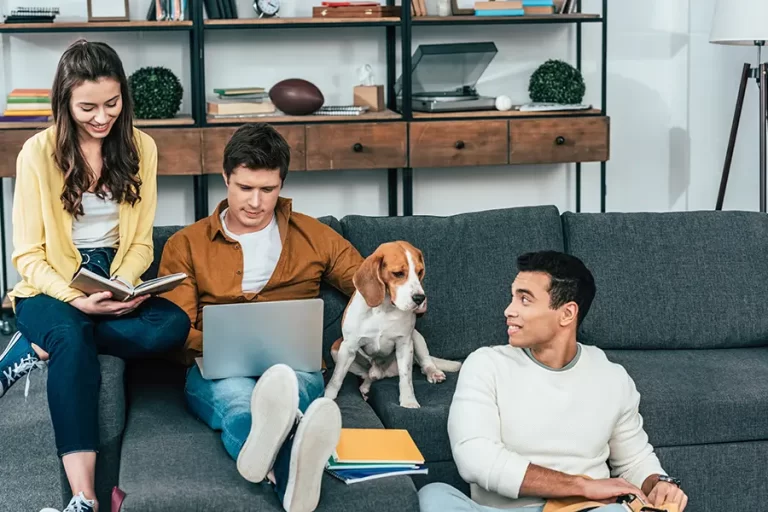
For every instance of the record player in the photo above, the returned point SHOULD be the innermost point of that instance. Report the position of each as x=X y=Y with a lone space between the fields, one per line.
x=444 y=76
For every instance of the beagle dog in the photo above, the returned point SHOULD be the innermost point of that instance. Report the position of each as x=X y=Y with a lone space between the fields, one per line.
x=379 y=338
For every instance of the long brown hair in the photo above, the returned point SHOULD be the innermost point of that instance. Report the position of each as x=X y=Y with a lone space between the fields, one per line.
x=90 y=61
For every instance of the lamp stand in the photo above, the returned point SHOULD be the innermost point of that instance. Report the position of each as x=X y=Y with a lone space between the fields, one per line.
x=760 y=74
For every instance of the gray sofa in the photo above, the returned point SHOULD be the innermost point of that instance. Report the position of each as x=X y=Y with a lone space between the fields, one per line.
x=681 y=303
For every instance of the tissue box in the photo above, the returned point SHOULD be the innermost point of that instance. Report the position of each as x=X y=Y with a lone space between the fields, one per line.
x=371 y=96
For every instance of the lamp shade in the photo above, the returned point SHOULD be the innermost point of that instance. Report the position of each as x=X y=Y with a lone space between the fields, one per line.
x=740 y=22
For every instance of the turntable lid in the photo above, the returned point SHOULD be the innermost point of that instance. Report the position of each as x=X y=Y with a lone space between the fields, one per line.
x=447 y=67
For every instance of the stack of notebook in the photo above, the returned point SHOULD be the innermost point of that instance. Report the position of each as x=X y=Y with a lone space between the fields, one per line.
x=367 y=454
x=27 y=105
x=240 y=102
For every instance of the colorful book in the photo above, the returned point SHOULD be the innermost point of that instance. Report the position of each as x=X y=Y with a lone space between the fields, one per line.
x=500 y=12
x=376 y=446
x=29 y=92
x=351 y=476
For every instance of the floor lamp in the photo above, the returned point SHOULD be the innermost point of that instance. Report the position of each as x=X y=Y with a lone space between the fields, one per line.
x=744 y=23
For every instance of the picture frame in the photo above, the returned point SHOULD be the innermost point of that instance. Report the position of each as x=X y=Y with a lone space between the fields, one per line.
x=108 y=10
x=457 y=10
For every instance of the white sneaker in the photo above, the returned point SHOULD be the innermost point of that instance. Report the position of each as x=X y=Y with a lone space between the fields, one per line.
x=315 y=441
x=274 y=405
x=76 y=504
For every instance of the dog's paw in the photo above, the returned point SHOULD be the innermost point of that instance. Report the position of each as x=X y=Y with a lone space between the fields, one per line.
x=434 y=376
x=365 y=388
x=375 y=372
x=410 y=404
x=331 y=393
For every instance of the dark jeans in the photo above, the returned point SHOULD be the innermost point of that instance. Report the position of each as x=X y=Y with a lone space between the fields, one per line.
x=73 y=340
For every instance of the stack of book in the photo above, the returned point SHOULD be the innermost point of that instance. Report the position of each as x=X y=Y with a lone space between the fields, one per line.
x=32 y=15
x=499 y=8
x=367 y=454
x=538 y=7
x=28 y=105
x=514 y=7
x=240 y=102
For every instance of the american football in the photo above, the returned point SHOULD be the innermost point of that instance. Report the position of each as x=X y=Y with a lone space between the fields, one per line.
x=296 y=97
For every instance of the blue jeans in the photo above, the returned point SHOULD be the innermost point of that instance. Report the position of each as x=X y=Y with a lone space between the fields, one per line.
x=225 y=405
x=73 y=341
x=440 y=497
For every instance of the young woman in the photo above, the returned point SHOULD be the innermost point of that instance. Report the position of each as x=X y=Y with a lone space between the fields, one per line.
x=85 y=196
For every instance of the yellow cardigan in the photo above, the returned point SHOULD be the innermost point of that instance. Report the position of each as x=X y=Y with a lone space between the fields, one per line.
x=43 y=251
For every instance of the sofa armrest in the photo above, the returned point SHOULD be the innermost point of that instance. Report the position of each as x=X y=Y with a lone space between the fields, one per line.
x=111 y=425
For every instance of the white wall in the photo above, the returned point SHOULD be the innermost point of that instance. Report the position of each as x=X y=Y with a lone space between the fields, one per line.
x=670 y=97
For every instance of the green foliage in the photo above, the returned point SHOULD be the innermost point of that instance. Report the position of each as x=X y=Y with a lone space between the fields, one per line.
x=156 y=93
x=556 y=81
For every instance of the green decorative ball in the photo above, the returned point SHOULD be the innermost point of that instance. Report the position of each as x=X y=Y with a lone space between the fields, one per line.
x=156 y=93
x=556 y=81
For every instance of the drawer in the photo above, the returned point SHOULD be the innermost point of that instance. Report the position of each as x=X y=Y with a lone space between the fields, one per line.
x=355 y=146
x=178 y=150
x=215 y=140
x=558 y=140
x=11 y=142
x=458 y=143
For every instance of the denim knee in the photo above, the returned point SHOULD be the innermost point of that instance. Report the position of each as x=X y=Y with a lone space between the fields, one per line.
x=437 y=496
x=172 y=328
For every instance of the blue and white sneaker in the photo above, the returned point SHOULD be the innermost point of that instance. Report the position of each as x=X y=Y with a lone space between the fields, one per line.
x=17 y=360
x=76 y=504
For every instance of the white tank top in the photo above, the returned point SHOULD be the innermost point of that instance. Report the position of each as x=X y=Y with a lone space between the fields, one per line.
x=99 y=224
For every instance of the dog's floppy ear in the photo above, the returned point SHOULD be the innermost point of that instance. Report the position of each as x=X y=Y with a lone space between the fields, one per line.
x=368 y=281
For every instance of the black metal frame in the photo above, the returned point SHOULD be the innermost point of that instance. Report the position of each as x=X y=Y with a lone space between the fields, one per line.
x=407 y=22
x=197 y=30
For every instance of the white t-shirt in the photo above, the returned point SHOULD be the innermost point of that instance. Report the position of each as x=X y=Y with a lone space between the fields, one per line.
x=261 y=251
x=509 y=410
x=99 y=224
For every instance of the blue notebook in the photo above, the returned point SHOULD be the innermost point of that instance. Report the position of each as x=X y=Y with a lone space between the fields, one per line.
x=500 y=12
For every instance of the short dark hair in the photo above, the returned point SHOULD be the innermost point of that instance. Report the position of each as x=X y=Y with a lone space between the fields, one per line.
x=570 y=279
x=257 y=146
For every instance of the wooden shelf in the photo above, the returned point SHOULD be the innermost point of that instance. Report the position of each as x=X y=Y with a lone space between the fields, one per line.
x=480 y=114
x=384 y=115
x=508 y=20
x=96 y=26
x=24 y=126
x=300 y=22
x=181 y=120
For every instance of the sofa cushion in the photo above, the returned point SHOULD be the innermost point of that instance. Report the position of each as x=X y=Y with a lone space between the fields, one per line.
x=694 y=397
x=428 y=424
x=172 y=461
x=720 y=477
x=36 y=478
x=674 y=280
x=29 y=474
x=470 y=265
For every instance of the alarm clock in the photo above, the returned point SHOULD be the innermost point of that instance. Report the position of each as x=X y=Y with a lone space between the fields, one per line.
x=266 y=8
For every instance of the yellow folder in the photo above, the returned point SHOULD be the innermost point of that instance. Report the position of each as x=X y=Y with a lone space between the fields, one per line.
x=377 y=445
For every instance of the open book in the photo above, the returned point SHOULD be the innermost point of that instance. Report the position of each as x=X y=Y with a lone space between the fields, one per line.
x=89 y=283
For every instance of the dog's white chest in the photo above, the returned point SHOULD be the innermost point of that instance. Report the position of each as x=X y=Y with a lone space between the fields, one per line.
x=379 y=330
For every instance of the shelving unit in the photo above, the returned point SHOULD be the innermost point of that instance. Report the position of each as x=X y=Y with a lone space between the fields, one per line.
x=397 y=140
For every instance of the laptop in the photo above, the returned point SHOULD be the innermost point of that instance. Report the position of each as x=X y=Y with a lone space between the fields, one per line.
x=244 y=340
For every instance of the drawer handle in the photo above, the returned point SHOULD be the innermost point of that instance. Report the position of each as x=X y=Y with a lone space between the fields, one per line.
x=357 y=148
x=560 y=140
x=459 y=144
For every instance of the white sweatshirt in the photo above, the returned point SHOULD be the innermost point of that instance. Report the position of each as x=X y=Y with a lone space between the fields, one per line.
x=509 y=410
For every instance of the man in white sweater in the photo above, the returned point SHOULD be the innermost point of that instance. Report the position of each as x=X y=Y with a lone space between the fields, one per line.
x=543 y=416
